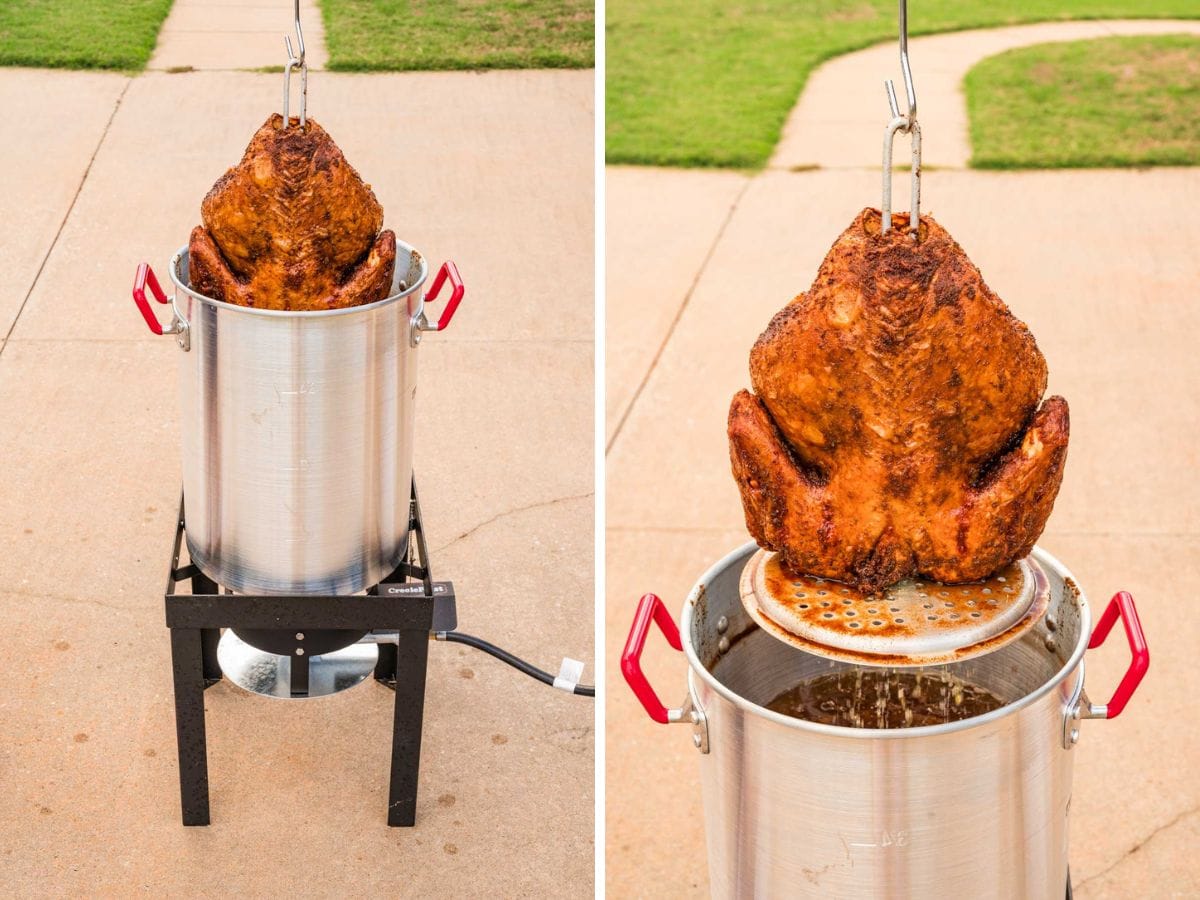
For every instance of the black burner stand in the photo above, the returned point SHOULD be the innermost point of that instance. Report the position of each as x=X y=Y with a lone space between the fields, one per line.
x=407 y=604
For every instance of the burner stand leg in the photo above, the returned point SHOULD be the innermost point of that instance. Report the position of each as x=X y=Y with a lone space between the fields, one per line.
x=412 y=654
x=385 y=669
x=187 y=660
x=210 y=637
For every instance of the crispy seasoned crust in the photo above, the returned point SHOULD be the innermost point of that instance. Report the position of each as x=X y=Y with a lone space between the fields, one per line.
x=292 y=226
x=895 y=426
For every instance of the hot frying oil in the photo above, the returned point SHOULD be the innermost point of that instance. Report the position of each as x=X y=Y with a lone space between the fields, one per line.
x=882 y=698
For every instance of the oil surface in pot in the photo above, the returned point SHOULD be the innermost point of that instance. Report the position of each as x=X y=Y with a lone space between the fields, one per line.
x=883 y=698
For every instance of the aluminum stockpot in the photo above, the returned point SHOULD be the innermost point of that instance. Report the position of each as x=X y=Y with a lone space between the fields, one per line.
x=975 y=808
x=297 y=431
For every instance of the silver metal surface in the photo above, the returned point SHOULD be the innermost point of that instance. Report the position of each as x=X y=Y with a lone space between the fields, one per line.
x=973 y=808
x=297 y=432
x=270 y=675
x=905 y=123
x=912 y=623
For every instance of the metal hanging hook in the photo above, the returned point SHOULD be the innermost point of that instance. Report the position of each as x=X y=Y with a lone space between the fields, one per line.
x=295 y=62
x=905 y=123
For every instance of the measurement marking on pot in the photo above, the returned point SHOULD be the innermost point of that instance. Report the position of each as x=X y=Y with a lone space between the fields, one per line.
x=886 y=839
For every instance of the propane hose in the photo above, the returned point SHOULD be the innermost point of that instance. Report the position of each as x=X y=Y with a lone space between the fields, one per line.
x=565 y=680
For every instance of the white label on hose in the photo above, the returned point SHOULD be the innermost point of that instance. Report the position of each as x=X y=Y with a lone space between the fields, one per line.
x=568 y=675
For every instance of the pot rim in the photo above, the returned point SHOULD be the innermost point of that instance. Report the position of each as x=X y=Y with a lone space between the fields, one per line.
x=1074 y=662
x=423 y=274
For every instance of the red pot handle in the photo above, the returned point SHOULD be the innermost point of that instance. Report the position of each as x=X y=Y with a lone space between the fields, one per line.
x=1122 y=605
x=448 y=271
x=649 y=607
x=144 y=277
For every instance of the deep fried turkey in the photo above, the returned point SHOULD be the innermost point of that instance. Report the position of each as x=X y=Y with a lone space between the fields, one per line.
x=895 y=428
x=292 y=226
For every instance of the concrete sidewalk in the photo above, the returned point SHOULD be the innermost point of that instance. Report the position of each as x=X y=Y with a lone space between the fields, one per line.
x=114 y=175
x=839 y=120
x=236 y=34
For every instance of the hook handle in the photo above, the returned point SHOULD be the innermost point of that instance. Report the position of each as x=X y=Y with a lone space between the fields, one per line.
x=905 y=123
x=295 y=62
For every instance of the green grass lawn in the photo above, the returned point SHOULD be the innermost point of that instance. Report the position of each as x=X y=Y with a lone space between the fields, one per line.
x=1121 y=101
x=80 y=34
x=370 y=35
x=710 y=82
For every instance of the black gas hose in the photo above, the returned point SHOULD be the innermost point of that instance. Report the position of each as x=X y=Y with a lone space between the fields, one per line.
x=457 y=637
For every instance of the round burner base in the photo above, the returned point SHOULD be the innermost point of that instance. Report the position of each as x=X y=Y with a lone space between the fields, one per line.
x=270 y=675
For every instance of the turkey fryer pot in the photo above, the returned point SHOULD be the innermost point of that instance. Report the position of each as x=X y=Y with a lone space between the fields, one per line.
x=298 y=431
x=972 y=808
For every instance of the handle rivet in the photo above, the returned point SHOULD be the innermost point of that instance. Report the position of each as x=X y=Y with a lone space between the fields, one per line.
x=723 y=645
x=722 y=625
x=299 y=651
x=696 y=741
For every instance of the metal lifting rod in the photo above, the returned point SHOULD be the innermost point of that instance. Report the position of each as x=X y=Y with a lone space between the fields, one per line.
x=905 y=123
x=295 y=62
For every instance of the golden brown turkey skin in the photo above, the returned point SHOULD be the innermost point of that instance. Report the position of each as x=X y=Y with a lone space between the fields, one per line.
x=293 y=227
x=894 y=429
